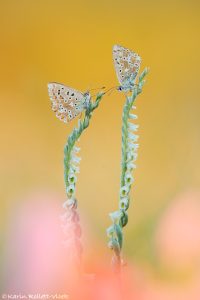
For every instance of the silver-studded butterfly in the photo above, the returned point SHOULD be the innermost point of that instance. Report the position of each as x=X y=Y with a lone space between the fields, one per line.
x=67 y=102
x=127 y=65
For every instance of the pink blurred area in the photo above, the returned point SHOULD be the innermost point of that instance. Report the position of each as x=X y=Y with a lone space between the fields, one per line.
x=178 y=233
x=36 y=260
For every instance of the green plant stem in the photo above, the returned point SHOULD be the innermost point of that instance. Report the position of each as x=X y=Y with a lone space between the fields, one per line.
x=129 y=148
x=70 y=219
x=75 y=135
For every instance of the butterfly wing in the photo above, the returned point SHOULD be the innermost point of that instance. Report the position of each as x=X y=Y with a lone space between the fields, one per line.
x=66 y=102
x=127 y=63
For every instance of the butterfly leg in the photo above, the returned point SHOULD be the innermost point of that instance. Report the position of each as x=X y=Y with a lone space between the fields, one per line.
x=80 y=116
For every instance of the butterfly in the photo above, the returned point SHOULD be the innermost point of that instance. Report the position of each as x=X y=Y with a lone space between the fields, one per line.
x=127 y=65
x=67 y=102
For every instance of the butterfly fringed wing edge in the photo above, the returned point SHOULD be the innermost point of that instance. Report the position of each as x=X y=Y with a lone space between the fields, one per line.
x=66 y=102
x=127 y=65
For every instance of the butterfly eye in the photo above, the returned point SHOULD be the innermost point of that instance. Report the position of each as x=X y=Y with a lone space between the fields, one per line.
x=60 y=106
x=65 y=100
x=65 y=110
x=72 y=94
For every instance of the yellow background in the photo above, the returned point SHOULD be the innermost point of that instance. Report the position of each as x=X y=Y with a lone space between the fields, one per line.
x=71 y=42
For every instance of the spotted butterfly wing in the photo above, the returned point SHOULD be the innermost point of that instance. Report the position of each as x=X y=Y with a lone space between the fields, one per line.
x=66 y=102
x=127 y=64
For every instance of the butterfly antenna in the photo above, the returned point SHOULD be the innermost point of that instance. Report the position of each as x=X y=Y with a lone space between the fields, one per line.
x=101 y=88
x=111 y=90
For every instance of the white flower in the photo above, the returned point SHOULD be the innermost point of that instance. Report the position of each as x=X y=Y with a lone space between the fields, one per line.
x=76 y=149
x=74 y=168
x=133 y=146
x=133 y=137
x=132 y=156
x=110 y=245
x=110 y=231
x=124 y=190
x=72 y=178
x=71 y=189
x=75 y=159
x=124 y=203
x=132 y=126
x=129 y=178
x=115 y=216
x=69 y=203
x=131 y=166
x=132 y=116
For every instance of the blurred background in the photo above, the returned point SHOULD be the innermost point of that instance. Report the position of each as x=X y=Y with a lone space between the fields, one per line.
x=71 y=42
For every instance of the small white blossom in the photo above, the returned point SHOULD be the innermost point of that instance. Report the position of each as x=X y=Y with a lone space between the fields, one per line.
x=110 y=231
x=124 y=191
x=132 y=126
x=133 y=146
x=72 y=178
x=110 y=244
x=70 y=189
x=131 y=166
x=133 y=137
x=75 y=159
x=132 y=116
x=132 y=156
x=74 y=168
x=124 y=202
x=76 y=149
x=69 y=202
x=115 y=216
x=129 y=178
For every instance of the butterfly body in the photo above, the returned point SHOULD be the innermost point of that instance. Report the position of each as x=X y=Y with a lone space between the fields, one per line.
x=127 y=86
x=127 y=64
x=67 y=102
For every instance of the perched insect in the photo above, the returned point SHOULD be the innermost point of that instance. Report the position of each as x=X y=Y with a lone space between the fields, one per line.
x=67 y=102
x=127 y=65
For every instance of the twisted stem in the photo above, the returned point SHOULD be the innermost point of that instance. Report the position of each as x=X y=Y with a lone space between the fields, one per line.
x=129 y=155
x=70 y=218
